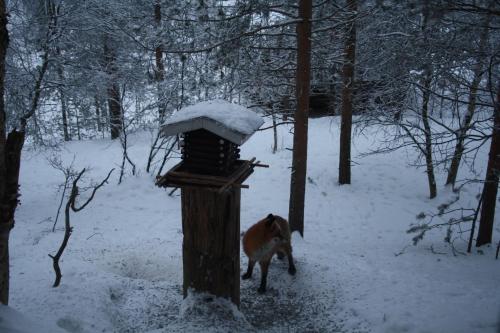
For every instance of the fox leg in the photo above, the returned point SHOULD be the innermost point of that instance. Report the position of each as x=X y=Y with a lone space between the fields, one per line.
x=264 y=267
x=249 y=272
x=291 y=266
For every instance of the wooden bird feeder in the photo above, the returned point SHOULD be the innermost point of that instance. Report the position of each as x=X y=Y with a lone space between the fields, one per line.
x=210 y=176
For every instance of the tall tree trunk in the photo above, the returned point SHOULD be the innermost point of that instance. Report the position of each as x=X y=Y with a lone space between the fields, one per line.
x=5 y=223
x=347 y=93
x=426 y=93
x=299 y=163
x=10 y=159
x=10 y=150
x=9 y=201
x=78 y=133
x=275 y=134
x=104 y=114
x=115 y=110
x=471 y=107
x=64 y=109
x=113 y=91
x=38 y=93
x=490 y=187
x=98 y=113
x=183 y=67
x=462 y=131
x=160 y=67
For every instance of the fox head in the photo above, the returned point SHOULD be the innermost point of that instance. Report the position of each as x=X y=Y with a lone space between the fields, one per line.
x=274 y=229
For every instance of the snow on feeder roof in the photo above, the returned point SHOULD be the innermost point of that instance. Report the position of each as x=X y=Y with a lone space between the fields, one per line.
x=230 y=121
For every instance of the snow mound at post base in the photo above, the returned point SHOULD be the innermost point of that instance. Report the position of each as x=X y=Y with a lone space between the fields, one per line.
x=202 y=310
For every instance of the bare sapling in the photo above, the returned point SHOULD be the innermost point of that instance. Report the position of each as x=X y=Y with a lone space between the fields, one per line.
x=125 y=156
x=71 y=205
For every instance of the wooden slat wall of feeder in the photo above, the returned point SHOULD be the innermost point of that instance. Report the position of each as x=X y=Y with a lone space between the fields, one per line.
x=206 y=153
x=211 y=176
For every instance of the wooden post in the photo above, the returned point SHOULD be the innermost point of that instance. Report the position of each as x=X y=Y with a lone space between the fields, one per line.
x=211 y=245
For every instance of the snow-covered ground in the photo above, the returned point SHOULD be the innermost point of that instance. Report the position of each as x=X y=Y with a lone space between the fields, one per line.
x=357 y=269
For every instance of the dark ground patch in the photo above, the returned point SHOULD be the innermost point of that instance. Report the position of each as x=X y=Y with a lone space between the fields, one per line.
x=300 y=303
x=291 y=303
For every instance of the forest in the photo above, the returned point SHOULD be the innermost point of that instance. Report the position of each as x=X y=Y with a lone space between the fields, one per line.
x=143 y=143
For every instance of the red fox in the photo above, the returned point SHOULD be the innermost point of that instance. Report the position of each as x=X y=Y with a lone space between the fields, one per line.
x=262 y=240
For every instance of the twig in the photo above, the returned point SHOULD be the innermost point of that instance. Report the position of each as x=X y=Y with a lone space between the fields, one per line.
x=397 y=254
x=96 y=233
x=431 y=248
x=278 y=124
x=172 y=192
x=167 y=153
x=60 y=203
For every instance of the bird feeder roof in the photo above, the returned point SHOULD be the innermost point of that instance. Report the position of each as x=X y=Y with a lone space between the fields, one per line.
x=230 y=121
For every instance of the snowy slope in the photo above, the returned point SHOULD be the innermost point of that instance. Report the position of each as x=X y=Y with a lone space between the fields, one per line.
x=122 y=270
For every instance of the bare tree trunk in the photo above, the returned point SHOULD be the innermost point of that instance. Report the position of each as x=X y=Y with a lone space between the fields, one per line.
x=490 y=187
x=5 y=228
x=98 y=113
x=77 y=114
x=11 y=147
x=113 y=91
x=275 y=134
x=64 y=109
x=347 y=93
x=104 y=115
x=160 y=67
x=37 y=95
x=183 y=61
x=5 y=221
x=428 y=134
x=462 y=132
x=299 y=162
x=4 y=43
x=426 y=94
x=471 y=107
x=115 y=110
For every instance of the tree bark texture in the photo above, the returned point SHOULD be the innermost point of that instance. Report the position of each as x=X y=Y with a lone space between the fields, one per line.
x=10 y=157
x=113 y=92
x=299 y=162
x=4 y=43
x=9 y=201
x=211 y=244
x=347 y=93
x=490 y=188
x=115 y=110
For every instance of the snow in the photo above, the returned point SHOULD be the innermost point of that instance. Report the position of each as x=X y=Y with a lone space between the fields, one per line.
x=231 y=121
x=11 y=321
x=356 y=268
